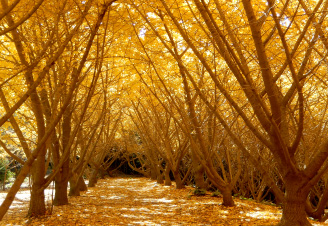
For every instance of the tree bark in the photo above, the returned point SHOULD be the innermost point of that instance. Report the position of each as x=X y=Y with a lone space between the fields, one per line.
x=37 y=204
x=102 y=173
x=227 y=197
x=160 y=178
x=198 y=171
x=82 y=185
x=178 y=181
x=168 y=181
x=294 y=213
x=153 y=174
x=74 y=186
x=60 y=192
x=61 y=179
x=93 y=178
x=61 y=184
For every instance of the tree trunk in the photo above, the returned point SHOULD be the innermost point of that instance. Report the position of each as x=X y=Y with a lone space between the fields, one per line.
x=81 y=184
x=160 y=179
x=199 y=177
x=102 y=173
x=93 y=178
x=61 y=179
x=61 y=184
x=178 y=181
x=37 y=202
x=168 y=181
x=227 y=197
x=153 y=173
x=60 y=193
x=74 y=189
x=294 y=213
x=198 y=171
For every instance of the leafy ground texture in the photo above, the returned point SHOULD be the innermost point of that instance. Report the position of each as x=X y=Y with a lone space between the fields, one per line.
x=140 y=201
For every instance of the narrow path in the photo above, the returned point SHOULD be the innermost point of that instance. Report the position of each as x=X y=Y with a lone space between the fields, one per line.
x=140 y=201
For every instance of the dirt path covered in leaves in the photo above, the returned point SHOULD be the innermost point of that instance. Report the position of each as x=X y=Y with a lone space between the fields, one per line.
x=140 y=201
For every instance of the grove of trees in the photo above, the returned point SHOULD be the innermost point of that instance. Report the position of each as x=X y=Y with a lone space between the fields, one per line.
x=218 y=94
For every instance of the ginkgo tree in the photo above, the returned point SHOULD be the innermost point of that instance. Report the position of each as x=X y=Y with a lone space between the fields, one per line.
x=38 y=169
x=29 y=56
x=191 y=78
x=273 y=54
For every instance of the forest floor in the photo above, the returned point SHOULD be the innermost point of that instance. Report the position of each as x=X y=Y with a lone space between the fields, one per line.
x=140 y=201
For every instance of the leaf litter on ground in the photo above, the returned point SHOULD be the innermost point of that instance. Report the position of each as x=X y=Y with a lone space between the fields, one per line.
x=141 y=201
